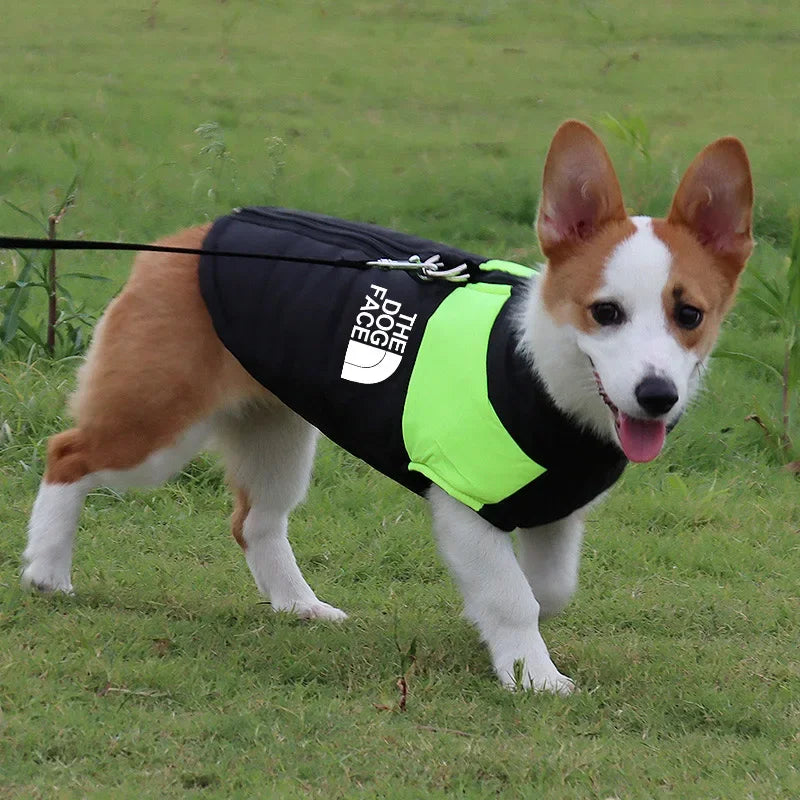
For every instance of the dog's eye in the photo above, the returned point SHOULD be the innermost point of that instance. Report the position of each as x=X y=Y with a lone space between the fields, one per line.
x=607 y=313
x=688 y=317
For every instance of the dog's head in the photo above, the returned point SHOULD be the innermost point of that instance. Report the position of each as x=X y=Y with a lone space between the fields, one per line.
x=642 y=299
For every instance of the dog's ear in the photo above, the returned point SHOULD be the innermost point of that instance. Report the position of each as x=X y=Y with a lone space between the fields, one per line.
x=715 y=201
x=580 y=190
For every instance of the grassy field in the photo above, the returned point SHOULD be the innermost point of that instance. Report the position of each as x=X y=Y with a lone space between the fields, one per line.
x=165 y=676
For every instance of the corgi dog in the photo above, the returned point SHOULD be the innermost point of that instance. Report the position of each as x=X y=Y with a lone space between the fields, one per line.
x=607 y=343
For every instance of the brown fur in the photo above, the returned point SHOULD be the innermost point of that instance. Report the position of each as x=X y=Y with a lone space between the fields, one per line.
x=155 y=367
x=709 y=233
x=67 y=457
x=696 y=278
x=571 y=284
x=241 y=509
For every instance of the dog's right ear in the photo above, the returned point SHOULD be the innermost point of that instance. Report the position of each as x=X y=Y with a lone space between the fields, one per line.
x=580 y=190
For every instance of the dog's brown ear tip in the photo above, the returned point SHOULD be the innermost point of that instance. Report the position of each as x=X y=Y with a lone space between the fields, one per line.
x=730 y=143
x=574 y=124
x=574 y=129
x=730 y=148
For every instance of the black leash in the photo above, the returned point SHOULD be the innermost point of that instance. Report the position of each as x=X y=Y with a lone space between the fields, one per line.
x=29 y=243
x=432 y=267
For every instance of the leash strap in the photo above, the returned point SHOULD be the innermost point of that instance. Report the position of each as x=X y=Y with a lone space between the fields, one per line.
x=431 y=268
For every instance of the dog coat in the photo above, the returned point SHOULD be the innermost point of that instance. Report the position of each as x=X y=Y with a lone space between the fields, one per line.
x=422 y=379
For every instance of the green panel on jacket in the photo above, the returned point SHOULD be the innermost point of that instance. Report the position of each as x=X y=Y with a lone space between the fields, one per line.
x=448 y=418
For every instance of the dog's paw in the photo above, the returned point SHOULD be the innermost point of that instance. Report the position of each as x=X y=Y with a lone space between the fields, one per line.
x=313 y=610
x=558 y=684
x=45 y=579
x=547 y=679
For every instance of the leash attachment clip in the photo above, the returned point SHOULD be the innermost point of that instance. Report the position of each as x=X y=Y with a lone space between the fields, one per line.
x=428 y=269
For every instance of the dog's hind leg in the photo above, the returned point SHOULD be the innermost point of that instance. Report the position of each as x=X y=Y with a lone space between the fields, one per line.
x=549 y=557
x=154 y=379
x=76 y=464
x=270 y=453
x=47 y=560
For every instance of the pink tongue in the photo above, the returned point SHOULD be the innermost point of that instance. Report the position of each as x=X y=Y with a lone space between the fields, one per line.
x=641 y=439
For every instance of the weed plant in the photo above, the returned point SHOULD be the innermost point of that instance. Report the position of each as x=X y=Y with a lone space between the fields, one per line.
x=58 y=326
x=776 y=294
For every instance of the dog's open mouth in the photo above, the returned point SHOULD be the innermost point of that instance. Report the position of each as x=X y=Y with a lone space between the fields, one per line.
x=641 y=439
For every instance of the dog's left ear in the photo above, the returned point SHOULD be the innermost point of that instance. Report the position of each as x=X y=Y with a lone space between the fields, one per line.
x=715 y=201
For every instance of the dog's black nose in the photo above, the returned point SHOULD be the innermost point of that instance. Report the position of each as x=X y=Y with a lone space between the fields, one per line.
x=656 y=395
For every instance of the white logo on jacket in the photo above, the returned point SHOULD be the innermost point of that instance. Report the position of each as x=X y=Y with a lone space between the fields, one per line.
x=378 y=339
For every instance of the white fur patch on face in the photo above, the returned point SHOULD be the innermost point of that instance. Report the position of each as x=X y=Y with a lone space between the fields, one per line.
x=638 y=269
x=635 y=276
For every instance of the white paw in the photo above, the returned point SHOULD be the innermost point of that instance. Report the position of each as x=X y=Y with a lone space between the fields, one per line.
x=46 y=578
x=313 y=610
x=542 y=679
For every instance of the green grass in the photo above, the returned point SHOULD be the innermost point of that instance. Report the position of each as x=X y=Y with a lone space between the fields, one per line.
x=165 y=676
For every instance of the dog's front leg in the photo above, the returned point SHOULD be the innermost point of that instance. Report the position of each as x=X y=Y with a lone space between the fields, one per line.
x=497 y=597
x=549 y=556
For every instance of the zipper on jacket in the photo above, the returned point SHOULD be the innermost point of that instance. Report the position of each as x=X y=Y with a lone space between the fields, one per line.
x=348 y=235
